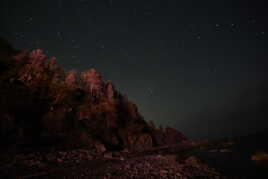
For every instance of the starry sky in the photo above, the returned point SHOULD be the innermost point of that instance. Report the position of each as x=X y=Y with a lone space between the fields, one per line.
x=198 y=66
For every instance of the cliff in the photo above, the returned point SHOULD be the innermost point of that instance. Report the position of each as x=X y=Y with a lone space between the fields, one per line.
x=44 y=105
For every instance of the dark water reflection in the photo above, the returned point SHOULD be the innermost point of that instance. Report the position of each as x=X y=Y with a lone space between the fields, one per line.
x=238 y=163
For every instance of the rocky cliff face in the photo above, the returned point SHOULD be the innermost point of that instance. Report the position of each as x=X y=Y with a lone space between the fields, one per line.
x=43 y=104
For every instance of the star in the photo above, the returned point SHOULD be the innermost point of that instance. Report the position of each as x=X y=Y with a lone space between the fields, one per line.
x=182 y=44
x=148 y=13
x=150 y=91
x=218 y=27
x=76 y=46
x=83 y=1
x=134 y=11
x=59 y=34
x=29 y=20
x=252 y=21
x=60 y=4
x=34 y=44
x=19 y=36
x=212 y=69
x=126 y=53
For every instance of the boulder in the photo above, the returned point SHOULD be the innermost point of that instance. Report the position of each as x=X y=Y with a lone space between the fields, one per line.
x=71 y=79
x=100 y=148
x=172 y=136
x=143 y=142
x=72 y=111
x=193 y=161
x=92 y=81
x=259 y=156
x=110 y=91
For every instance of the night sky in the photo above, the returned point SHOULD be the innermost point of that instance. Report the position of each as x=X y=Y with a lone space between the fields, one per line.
x=199 y=66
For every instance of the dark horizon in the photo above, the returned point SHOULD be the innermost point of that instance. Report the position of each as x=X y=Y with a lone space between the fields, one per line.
x=197 y=66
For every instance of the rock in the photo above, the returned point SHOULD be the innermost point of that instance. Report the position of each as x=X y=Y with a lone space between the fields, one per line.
x=225 y=150
x=59 y=160
x=22 y=56
x=171 y=158
x=193 y=161
x=162 y=171
x=143 y=142
x=158 y=137
x=108 y=155
x=68 y=112
x=132 y=110
x=6 y=160
x=52 y=64
x=92 y=81
x=71 y=79
x=259 y=156
x=213 y=150
x=172 y=136
x=32 y=72
x=37 y=57
x=100 y=148
x=50 y=157
x=125 y=151
x=228 y=143
x=110 y=91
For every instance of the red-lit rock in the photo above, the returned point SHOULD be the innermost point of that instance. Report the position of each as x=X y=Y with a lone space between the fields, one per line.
x=71 y=79
x=172 y=136
x=69 y=109
x=92 y=81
